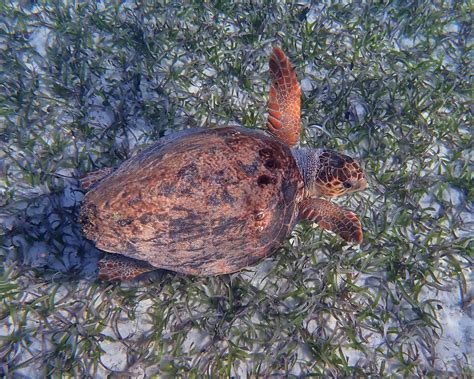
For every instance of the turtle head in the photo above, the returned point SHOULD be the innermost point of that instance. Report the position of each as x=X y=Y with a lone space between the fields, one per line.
x=328 y=173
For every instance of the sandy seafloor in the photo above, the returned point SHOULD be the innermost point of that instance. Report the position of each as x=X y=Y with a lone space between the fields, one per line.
x=453 y=300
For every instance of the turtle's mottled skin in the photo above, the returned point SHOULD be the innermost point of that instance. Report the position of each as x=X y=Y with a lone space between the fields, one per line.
x=328 y=173
x=213 y=201
x=210 y=203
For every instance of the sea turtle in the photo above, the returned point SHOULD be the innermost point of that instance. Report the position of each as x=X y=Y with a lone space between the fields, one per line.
x=214 y=200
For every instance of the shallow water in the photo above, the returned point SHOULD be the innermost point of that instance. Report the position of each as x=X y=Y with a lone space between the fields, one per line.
x=87 y=86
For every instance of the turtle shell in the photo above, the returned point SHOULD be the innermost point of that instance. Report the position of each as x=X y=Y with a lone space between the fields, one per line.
x=204 y=202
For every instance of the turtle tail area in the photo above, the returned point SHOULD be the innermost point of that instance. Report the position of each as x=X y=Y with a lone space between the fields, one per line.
x=94 y=177
x=116 y=267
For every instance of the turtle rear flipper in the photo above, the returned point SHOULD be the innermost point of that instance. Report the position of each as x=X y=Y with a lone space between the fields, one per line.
x=113 y=267
x=284 y=103
x=331 y=217
x=93 y=177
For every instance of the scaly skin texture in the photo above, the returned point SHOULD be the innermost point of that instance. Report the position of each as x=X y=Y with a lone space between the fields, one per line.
x=114 y=267
x=208 y=203
x=284 y=103
x=331 y=217
x=328 y=173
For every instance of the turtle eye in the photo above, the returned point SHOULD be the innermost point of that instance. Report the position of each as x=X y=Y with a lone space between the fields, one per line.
x=347 y=185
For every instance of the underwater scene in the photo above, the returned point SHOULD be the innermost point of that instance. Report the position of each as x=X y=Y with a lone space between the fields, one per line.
x=240 y=124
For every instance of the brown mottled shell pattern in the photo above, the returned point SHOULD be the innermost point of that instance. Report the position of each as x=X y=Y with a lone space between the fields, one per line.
x=211 y=202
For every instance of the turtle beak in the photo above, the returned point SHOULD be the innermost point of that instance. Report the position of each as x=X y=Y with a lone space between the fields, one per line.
x=362 y=185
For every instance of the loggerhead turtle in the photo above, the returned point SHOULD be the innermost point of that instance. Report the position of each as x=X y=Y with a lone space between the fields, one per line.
x=213 y=201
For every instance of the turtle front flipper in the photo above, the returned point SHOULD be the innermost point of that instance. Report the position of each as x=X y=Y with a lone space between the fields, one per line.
x=331 y=217
x=94 y=177
x=117 y=267
x=284 y=104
